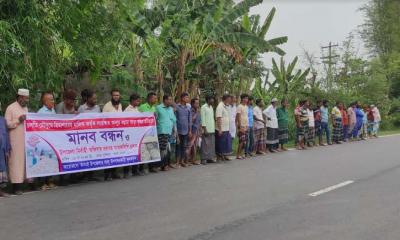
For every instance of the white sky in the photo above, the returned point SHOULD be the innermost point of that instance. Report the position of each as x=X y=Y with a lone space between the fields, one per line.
x=310 y=24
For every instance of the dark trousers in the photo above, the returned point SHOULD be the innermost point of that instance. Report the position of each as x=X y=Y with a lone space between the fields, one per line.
x=110 y=173
x=250 y=141
x=325 y=128
x=273 y=146
x=136 y=169
x=181 y=152
x=345 y=132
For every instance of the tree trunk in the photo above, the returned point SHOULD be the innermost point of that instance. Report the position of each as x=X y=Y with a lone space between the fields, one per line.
x=181 y=70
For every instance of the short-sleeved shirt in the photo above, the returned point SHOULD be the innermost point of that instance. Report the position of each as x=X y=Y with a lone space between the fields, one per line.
x=336 y=112
x=86 y=109
x=61 y=109
x=183 y=119
x=146 y=107
x=131 y=108
x=244 y=115
x=365 y=118
x=207 y=118
x=302 y=112
x=257 y=112
x=165 y=119
x=46 y=110
x=222 y=112
x=109 y=107
x=324 y=114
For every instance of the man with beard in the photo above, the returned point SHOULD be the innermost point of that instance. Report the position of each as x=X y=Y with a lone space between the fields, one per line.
x=15 y=117
x=114 y=105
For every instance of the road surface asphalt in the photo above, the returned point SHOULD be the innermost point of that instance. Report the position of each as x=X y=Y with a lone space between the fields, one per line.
x=267 y=197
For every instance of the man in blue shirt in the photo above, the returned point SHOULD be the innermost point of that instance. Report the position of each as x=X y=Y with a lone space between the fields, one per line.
x=325 y=122
x=184 y=127
x=47 y=108
x=48 y=103
x=166 y=121
x=359 y=119
x=250 y=140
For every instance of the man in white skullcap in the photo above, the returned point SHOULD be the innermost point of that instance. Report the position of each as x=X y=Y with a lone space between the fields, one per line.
x=15 y=117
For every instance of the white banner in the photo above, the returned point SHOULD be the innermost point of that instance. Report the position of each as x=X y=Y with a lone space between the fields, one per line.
x=59 y=144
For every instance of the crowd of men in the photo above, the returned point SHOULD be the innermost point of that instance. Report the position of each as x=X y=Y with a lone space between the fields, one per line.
x=185 y=129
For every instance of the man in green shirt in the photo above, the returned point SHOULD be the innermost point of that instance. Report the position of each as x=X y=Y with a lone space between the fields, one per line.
x=166 y=121
x=283 y=122
x=149 y=106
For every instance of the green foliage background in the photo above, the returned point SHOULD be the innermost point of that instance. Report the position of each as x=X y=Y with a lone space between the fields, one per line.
x=203 y=46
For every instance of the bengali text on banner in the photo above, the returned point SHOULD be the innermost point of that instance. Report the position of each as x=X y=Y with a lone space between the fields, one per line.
x=59 y=144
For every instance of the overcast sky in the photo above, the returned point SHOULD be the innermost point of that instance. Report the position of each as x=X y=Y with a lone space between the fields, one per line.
x=311 y=23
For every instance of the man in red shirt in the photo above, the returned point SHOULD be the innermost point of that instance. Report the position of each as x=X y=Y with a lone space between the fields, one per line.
x=345 y=120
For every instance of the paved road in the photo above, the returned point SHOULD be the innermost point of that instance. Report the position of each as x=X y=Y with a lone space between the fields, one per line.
x=262 y=198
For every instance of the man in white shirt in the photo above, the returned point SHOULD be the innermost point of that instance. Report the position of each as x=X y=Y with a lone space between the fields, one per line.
x=232 y=119
x=311 y=126
x=272 y=126
x=134 y=101
x=223 y=139
x=377 y=120
x=137 y=170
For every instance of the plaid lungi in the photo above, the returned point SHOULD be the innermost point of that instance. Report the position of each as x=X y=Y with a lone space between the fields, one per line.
x=283 y=135
x=337 y=133
x=272 y=135
x=259 y=136
x=207 y=148
x=302 y=132
x=163 y=144
x=243 y=136
x=311 y=134
x=223 y=143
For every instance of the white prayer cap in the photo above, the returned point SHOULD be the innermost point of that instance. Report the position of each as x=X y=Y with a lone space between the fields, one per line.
x=23 y=92
x=274 y=100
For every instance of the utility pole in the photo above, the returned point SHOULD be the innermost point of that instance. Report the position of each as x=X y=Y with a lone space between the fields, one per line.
x=330 y=60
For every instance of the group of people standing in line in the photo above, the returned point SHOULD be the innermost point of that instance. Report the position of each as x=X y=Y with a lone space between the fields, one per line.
x=184 y=126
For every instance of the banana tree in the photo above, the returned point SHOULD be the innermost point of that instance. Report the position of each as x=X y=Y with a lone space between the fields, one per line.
x=287 y=79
